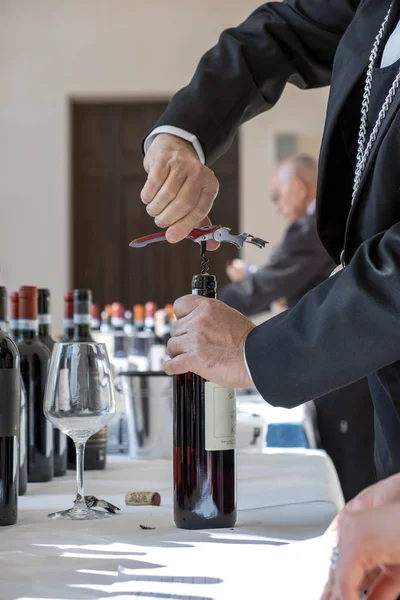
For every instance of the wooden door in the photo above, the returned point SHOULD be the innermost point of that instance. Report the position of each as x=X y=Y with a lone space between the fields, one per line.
x=107 y=177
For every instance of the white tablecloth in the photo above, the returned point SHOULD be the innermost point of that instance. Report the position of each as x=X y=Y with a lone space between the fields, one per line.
x=282 y=496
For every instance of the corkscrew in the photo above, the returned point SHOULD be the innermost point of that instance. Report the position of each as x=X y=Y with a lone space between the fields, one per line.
x=204 y=234
x=201 y=236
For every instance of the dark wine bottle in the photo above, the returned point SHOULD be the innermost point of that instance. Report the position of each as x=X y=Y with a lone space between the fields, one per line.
x=95 y=450
x=59 y=438
x=204 y=442
x=10 y=396
x=82 y=316
x=23 y=427
x=68 y=317
x=44 y=318
x=35 y=359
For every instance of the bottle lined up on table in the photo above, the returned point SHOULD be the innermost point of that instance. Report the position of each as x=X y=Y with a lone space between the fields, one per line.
x=136 y=341
x=140 y=335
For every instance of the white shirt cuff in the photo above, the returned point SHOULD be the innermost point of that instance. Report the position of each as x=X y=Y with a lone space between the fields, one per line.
x=182 y=133
x=245 y=362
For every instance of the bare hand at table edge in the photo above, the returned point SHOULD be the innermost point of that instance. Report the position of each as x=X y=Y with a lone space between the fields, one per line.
x=180 y=190
x=384 y=492
x=208 y=339
x=369 y=555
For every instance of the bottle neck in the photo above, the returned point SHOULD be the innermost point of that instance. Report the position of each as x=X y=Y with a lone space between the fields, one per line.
x=14 y=329
x=44 y=325
x=68 y=330
x=82 y=332
x=28 y=331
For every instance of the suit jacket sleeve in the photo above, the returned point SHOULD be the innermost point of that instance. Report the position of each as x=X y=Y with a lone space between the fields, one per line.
x=245 y=73
x=341 y=331
x=293 y=267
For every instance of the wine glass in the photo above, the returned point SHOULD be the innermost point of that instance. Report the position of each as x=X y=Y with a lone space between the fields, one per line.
x=79 y=400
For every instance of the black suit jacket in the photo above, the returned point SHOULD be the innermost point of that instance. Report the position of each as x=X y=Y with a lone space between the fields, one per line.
x=297 y=265
x=348 y=327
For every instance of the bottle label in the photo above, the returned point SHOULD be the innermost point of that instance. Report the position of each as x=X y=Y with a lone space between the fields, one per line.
x=68 y=323
x=95 y=323
x=44 y=319
x=98 y=438
x=82 y=319
x=3 y=326
x=28 y=325
x=220 y=417
x=10 y=400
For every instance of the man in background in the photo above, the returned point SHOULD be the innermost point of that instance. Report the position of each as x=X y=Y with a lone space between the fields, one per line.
x=299 y=263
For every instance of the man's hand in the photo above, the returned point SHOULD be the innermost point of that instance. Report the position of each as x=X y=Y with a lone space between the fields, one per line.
x=180 y=190
x=236 y=270
x=208 y=339
x=368 y=555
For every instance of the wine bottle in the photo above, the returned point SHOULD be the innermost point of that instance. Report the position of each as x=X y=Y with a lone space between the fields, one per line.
x=204 y=442
x=23 y=417
x=44 y=318
x=9 y=428
x=82 y=316
x=59 y=438
x=68 y=317
x=35 y=359
x=95 y=450
x=10 y=402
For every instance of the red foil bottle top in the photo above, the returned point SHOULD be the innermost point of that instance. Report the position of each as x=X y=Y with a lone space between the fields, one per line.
x=117 y=310
x=69 y=305
x=95 y=311
x=28 y=302
x=14 y=313
x=150 y=309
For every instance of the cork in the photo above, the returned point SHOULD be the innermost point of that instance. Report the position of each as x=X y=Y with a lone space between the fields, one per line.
x=143 y=499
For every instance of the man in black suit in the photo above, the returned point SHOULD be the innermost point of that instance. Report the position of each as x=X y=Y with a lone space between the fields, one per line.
x=300 y=262
x=348 y=327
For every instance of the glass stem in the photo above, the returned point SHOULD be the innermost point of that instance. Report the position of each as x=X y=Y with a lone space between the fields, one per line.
x=80 y=456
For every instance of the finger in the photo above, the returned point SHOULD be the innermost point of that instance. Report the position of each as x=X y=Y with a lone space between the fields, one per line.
x=211 y=244
x=385 y=588
x=186 y=305
x=155 y=180
x=180 y=326
x=183 y=203
x=167 y=194
x=181 y=228
x=178 y=365
x=177 y=346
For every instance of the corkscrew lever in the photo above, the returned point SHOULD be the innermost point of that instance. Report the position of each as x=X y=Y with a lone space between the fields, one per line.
x=203 y=234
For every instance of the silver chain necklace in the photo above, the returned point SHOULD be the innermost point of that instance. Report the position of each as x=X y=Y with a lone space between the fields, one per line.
x=363 y=151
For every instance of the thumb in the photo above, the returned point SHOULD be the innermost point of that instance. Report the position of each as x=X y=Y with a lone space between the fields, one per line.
x=211 y=244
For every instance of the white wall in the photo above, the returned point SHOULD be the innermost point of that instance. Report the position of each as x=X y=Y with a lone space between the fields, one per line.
x=52 y=50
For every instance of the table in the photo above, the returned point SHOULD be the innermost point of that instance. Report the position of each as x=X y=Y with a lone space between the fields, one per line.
x=282 y=496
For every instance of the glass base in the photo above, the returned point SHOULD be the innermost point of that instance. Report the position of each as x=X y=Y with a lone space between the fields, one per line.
x=79 y=514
